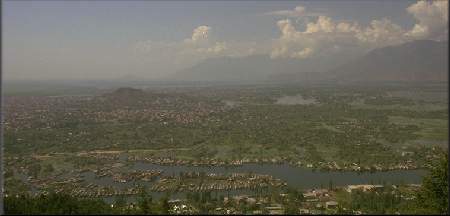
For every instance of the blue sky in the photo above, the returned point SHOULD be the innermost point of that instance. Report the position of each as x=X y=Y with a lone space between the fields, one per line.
x=99 y=37
x=135 y=20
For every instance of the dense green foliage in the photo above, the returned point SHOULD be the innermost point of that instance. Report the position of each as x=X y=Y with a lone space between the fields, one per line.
x=64 y=204
x=54 y=204
x=377 y=202
x=433 y=198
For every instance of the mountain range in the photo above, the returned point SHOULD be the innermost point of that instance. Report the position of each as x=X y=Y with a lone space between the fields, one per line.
x=421 y=60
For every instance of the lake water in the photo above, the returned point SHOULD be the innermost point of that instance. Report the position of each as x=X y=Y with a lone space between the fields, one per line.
x=298 y=177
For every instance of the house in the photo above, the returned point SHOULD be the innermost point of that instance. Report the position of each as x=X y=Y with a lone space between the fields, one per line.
x=251 y=200
x=407 y=153
x=331 y=205
x=257 y=212
x=312 y=200
x=240 y=198
x=364 y=188
x=316 y=211
x=357 y=212
x=181 y=208
x=303 y=211
x=312 y=195
x=174 y=201
x=275 y=209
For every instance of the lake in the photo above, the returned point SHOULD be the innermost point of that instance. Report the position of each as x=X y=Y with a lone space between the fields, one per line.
x=297 y=177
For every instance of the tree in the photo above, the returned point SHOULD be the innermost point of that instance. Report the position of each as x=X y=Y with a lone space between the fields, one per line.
x=433 y=196
x=164 y=205
x=35 y=169
x=54 y=204
x=196 y=196
x=120 y=203
x=49 y=168
x=144 y=201
x=291 y=208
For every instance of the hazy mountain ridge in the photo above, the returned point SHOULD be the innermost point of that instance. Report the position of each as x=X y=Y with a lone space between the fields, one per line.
x=254 y=68
x=421 y=60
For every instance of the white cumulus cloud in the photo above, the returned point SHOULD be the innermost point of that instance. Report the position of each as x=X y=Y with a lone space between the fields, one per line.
x=381 y=33
x=199 y=34
x=327 y=36
x=432 y=20
x=200 y=45
x=298 y=11
x=319 y=37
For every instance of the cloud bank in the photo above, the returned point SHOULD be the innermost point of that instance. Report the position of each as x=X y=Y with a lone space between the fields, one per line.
x=199 y=46
x=432 y=20
x=298 y=11
x=325 y=35
x=321 y=36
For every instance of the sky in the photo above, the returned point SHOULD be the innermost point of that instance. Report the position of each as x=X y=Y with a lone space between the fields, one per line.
x=45 y=40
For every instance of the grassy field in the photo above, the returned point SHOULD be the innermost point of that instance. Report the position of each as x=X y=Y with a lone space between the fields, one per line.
x=430 y=129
